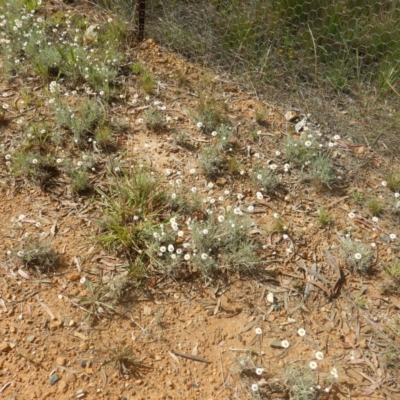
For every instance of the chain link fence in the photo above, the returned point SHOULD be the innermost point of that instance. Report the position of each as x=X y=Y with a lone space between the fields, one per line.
x=344 y=44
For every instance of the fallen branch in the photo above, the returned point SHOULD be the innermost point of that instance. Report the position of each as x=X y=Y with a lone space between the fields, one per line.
x=190 y=357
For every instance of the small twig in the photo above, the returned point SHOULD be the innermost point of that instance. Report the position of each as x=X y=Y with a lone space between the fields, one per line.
x=194 y=358
x=5 y=386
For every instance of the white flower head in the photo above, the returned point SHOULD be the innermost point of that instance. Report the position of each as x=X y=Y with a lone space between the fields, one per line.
x=171 y=248
x=333 y=371
x=384 y=183
x=205 y=231
x=313 y=365
x=258 y=331
x=352 y=215
x=301 y=332
x=358 y=256
x=187 y=257
x=276 y=216
x=285 y=344
x=204 y=256
x=237 y=211
x=259 y=371
x=307 y=143
x=163 y=249
x=82 y=280
x=392 y=236
x=259 y=196
x=254 y=387
x=199 y=125
x=319 y=355
x=221 y=218
x=210 y=185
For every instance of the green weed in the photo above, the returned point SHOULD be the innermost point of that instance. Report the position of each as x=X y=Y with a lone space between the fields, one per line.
x=357 y=256
x=147 y=82
x=81 y=121
x=224 y=246
x=374 y=206
x=104 y=137
x=320 y=172
x=37 y=253
x=358 y=197
x=323 y=217
x=296 y=152
x=300 y=382
x=154 y=120
x=97 y=303
x=121 y=356
x=212 y=161
x=393 y=181
x=265 y=179
x=210 y=113
x=132 y=210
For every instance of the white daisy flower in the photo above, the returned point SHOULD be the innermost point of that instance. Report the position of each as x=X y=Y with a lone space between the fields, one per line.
x=259 y=371
x=258 y=331
x=319 y=355
x=313 y=365
x=285 y=344
x=301 y=332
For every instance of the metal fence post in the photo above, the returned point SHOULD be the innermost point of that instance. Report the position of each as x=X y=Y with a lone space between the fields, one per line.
x=140 y=19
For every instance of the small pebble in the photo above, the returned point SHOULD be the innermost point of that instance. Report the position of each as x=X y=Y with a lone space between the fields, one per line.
x=54 y=379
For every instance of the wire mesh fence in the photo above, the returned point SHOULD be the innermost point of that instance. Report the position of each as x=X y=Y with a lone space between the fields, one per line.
x=343 y=44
